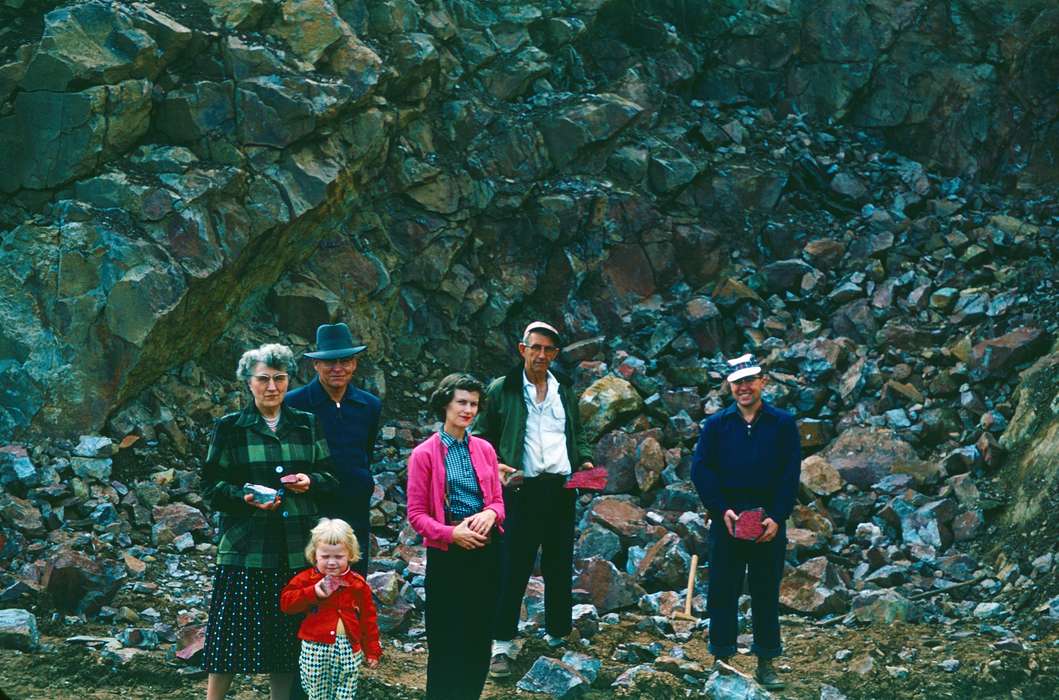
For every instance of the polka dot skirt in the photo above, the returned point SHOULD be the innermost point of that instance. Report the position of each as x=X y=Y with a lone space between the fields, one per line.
x=330 y=671
x=246 y=632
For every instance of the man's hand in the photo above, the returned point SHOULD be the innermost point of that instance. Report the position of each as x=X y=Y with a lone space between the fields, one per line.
x=585 y=466
x=467 y=538
x=771 y=528
x=300 y=485
x=482 y=522
x=371 y=662
x=730 y=517
x=276 y=502
x=504 y=472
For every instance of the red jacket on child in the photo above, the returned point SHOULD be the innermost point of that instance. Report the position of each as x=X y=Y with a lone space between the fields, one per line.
x=352 y=603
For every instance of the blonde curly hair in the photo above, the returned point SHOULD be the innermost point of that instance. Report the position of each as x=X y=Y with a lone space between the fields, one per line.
x=332 y=531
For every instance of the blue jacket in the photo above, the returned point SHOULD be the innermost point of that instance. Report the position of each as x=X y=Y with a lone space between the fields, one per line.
x=350 y=427
x=737 y=468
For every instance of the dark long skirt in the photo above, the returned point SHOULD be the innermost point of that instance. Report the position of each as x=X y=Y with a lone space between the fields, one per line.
x=246 y=632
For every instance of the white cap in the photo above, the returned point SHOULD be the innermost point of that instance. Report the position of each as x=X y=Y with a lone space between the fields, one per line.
x=535 y=325
x=742 y=366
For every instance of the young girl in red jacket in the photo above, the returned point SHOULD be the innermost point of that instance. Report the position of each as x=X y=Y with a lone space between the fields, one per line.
x=340 y=631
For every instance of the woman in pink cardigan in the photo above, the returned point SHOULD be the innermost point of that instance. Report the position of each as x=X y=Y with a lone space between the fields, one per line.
x=456 y=503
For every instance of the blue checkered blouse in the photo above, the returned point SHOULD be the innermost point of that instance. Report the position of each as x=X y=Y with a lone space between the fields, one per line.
x=464 y=493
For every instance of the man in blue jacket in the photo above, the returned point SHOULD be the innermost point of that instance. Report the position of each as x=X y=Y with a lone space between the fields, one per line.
x=350 y=419
x=748 y=456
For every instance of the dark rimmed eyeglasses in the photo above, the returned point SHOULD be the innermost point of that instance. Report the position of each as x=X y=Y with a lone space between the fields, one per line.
x=547 y=350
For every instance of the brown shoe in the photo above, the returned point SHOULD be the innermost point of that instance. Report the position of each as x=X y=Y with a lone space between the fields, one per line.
x=500 y=666
x=766 y=676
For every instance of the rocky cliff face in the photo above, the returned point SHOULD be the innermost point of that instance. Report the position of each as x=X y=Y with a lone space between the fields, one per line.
x=446 y=169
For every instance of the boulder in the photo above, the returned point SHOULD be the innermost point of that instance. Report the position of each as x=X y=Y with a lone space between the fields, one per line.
x=95 y=446
x=650 y=461
x=16 y=468
x=596 y=118
x=863 y=456
x=816 y=588
x=554 y=678
x=395 y=619
x=385 y=586
x=57 y=137
x=616 y=451
x=728 y=683
x=992 y=357
x=176 y=519
x=605 y=403
x=608 y=589
x=309 y=27
x=18 y=630
x=619 y=515
x=599 y=542
x=587 y=666
x=21 y=514
x=884 y=607
x=89 y=44
x=929 y=525
x=819 y=477
x=664 y=565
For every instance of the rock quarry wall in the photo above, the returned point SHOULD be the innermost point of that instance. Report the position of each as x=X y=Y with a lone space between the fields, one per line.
x=437 y=172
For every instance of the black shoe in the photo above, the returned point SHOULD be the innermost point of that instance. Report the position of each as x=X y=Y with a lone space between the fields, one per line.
x=766 y=676
x=719 y=663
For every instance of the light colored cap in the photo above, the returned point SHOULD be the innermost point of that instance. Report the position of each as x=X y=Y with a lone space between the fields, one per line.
x=541 y=325
x=742 y=366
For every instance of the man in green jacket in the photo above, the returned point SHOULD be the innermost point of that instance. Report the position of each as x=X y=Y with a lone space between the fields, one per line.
x=532 y=419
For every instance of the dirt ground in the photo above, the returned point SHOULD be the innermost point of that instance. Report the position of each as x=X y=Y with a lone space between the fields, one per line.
x=63 y=670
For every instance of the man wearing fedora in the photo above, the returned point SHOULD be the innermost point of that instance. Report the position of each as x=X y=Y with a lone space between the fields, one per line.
x=350 y=419
x=748 y=458
x=531 y=417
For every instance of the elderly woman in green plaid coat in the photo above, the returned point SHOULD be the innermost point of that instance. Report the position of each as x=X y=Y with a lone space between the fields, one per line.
x=262 y=541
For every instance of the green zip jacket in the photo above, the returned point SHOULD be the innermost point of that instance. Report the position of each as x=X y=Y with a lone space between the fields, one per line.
x=502 y=420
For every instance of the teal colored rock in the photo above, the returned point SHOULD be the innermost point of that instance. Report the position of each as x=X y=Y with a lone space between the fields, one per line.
x=598 y=118
x=91 y=468
x=90 y=43
x=196 y=110
x=553 y=678
x=670 y=170
x=57 y=137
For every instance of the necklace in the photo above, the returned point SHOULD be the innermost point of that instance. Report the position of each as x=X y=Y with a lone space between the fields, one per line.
x=272 y=423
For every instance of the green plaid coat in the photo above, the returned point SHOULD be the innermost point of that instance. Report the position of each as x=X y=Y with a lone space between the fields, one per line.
x=244 y=450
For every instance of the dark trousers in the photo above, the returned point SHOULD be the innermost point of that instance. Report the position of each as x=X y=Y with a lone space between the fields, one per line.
x=540 y=515
x=732 y=560
x=364 y=540
x=459 y=623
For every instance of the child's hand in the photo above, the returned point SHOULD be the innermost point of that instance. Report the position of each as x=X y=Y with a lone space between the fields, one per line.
x=325 y=587
x=372 y=663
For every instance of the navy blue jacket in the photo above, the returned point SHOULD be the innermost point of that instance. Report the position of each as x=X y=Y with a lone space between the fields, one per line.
x=350 y=427
x=741 y=469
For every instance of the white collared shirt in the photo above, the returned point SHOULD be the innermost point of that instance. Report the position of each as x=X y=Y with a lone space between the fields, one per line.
x=544 y=450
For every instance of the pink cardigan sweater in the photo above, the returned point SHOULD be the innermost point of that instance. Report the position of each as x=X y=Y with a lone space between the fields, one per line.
x=426 y=487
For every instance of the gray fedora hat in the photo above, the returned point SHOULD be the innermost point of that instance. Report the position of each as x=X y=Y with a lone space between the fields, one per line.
x=334 y=341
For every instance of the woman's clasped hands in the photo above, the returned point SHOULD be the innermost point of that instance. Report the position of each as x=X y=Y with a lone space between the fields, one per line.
x=473 y=532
